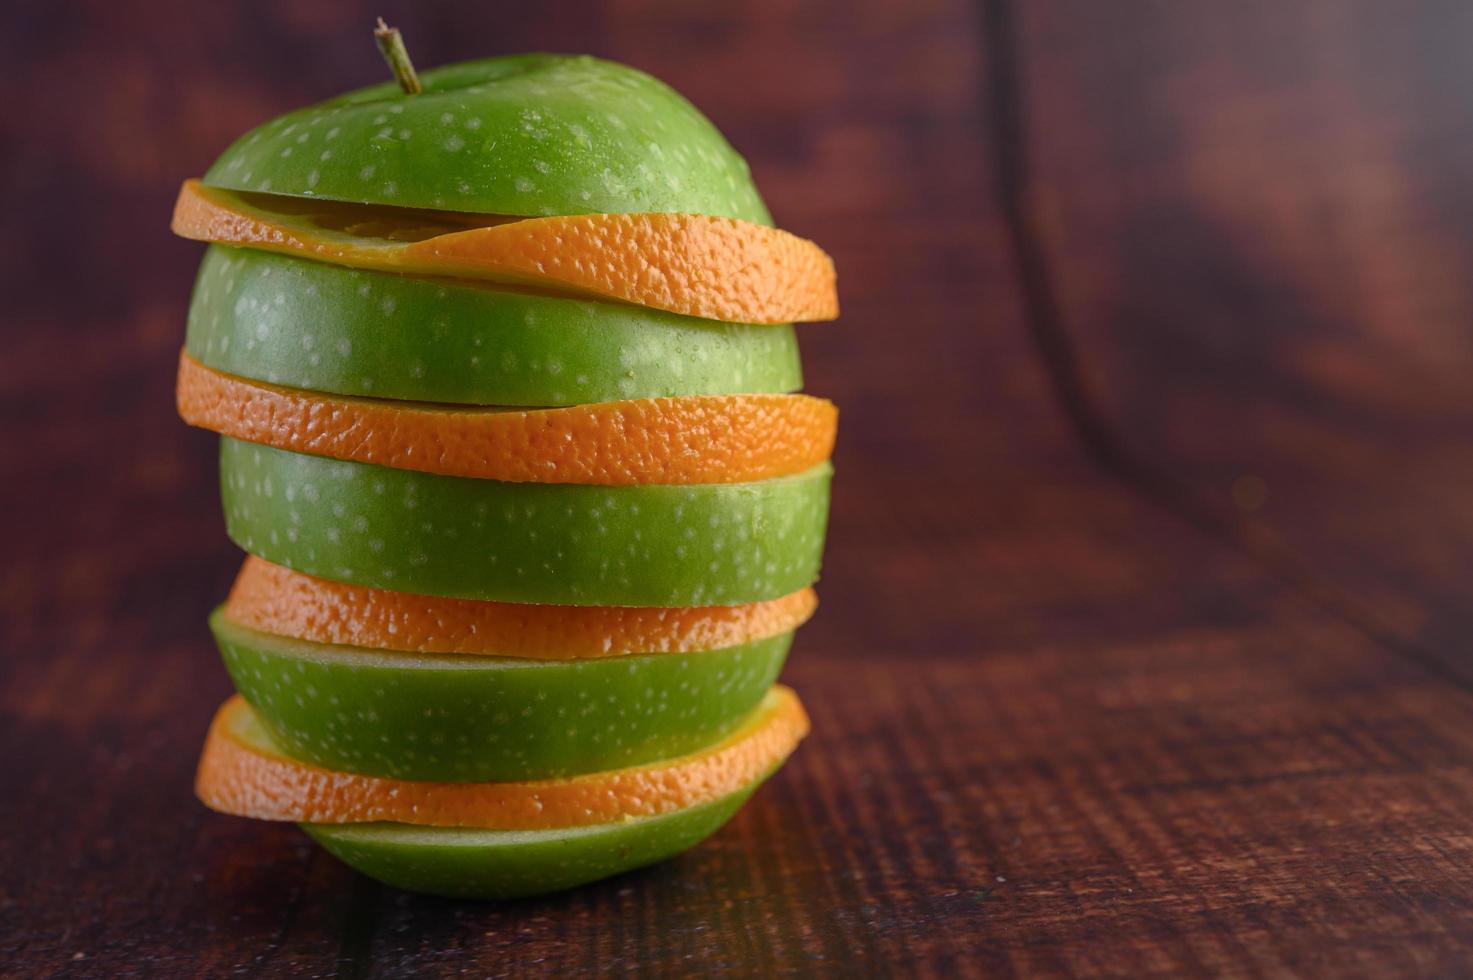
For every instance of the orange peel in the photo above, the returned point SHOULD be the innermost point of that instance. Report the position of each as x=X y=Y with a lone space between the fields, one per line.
x=273 y=599
x=683 y=440
x=698 y=265
x=242 y=773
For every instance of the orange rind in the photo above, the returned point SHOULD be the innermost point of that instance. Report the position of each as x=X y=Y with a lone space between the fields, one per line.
x=683 y=440
x=277 y=600
x=698 y=265
x=243 y=773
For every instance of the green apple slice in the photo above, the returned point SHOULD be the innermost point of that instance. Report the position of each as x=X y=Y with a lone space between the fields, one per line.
x=448 y=718
x=696 y=545
x=532 y=134
x=328 y=328
x=491 y=864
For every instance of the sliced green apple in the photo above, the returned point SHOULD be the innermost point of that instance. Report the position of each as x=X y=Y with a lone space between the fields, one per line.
x=490 y=864
x=445 y=718
x=696 y=545
x=533 y=134
x=328 y=328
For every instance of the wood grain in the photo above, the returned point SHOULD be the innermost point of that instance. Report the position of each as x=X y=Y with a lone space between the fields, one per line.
x=1077 y=711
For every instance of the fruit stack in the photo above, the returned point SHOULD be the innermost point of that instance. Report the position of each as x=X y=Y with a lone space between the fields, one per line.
x=504 y=369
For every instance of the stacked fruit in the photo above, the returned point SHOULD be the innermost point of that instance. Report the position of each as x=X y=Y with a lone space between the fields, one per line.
x=490 y=650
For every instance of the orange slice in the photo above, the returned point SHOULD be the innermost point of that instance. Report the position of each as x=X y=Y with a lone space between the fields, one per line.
x=717 y=268
x=691 y=439
x=242 y=773
x=273 y=599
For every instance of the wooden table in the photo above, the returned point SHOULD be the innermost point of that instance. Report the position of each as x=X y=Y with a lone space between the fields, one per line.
x=1145 y=639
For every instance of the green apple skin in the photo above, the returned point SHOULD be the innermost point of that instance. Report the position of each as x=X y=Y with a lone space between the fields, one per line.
x=326 y=328
x=447 y=718
x=697 y=545
x=531 y=134
x=490 y=864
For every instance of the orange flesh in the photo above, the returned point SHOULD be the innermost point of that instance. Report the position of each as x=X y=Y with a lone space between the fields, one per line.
x=277 y=600
x=717 y=268
x=692 y=439
x=239 y=777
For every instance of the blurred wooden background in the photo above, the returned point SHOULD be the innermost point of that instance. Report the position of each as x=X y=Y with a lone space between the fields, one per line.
x=1145 y=646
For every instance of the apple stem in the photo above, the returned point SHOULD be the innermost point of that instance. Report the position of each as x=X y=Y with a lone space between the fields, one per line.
x=391 y=43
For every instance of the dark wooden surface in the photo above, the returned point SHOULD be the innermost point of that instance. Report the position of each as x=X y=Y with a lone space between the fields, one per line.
x=1145 y=646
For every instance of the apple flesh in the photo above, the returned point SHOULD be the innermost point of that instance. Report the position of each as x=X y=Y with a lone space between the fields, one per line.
x=490 y=864
x=532 y=134
x=448 y=718
x=695 y=545
x=327 y=328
